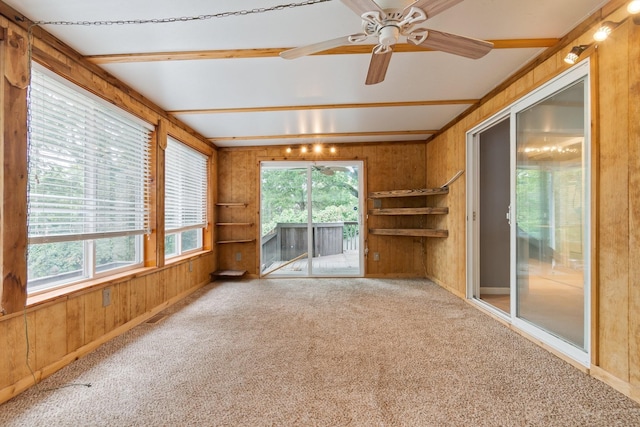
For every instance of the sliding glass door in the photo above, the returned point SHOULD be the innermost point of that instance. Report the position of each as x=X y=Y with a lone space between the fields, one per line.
x=541 y=146
x=552 y=213
x=310 y=219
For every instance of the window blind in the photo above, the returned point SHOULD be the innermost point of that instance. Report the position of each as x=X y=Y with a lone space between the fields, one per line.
x=185 y=204
x=88 y=165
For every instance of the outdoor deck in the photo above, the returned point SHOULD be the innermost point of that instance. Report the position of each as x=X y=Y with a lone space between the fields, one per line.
x=346 y=264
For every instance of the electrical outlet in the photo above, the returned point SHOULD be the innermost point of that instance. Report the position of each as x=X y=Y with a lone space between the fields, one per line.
x=106 y=297
x=238 y=256
x=190 y=266
x=376 y=256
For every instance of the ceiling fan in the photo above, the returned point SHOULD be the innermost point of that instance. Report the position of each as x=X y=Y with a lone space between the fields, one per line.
x=387 y=24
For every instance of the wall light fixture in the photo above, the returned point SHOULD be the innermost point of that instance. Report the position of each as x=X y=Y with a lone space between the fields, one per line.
x=604 y=30
x=574 y=54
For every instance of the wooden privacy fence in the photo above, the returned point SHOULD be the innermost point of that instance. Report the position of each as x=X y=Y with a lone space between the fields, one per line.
x=290 y=240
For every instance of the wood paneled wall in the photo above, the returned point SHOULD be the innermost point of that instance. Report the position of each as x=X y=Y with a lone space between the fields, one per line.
x=392 y=166
x=615 y=193
x=43 y=333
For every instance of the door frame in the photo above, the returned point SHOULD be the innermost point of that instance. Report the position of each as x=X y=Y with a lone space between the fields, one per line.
x=473 y=207
x=308 y=164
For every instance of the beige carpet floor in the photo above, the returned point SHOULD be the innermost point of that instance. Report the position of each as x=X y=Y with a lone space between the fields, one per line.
x=342 y=352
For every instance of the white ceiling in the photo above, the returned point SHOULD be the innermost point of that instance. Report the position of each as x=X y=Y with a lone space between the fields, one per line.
x=320 y=80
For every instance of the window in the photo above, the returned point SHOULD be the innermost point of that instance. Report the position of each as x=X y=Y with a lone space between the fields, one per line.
x=185 y=198
x=88 y=181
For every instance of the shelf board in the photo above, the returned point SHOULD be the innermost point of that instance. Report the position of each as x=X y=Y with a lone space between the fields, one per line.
x=410 y=211
x=415 y=232
x=228 y=273
x=223 y=242
x=232 y=205
x=235 y=224
x=409 y=193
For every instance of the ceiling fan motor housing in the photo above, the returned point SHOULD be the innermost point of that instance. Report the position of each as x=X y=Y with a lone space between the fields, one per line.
x=388 y=35
x=389 y=25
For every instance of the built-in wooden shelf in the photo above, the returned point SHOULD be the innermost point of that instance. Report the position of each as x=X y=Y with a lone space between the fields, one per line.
x=409 y=193
x=426 y=210
x=223 y=242
x=420 y=192
x=415 y=232
x=244 y=235
x=410 y=211
x=228 y=273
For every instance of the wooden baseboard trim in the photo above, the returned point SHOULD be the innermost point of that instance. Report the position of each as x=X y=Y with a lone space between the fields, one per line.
x=443 y=285
x=624 y=387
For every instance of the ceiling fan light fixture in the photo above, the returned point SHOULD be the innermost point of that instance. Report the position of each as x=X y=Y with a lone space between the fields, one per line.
x=634 y=7
x=574 y=54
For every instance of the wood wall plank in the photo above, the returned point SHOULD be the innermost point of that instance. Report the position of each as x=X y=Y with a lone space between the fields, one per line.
x=634 y=201
x=117 y=313
x=123 y=303
x=51 y=337
x=13 y=180
x=155 y=290
x=5 y=356
x=212 y=198
x=184 y=279
x=171 y=283
x=613 y=224
x=546 y=70
x=94 y=316
x=75 y=323
x=138 y=297
x=440 y=264
x=21 y=351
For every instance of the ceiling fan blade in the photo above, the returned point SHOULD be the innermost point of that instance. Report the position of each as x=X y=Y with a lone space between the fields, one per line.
x=362 y=6
x=378 y=66
x=298 y=52
x=452 y=43
x=433 y=7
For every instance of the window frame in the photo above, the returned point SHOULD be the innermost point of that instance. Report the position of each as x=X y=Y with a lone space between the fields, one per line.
x=89 y=270
x=180 y=228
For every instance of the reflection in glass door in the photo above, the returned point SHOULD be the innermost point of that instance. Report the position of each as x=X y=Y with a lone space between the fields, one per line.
x=310 y=219
x=551 y=214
